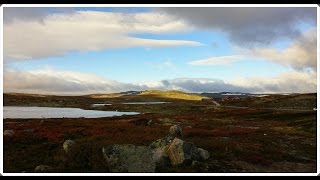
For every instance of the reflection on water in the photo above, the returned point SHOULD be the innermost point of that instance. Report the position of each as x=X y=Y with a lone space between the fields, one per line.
x=52 y=112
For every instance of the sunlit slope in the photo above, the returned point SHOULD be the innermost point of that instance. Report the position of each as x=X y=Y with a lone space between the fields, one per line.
x=171 y=95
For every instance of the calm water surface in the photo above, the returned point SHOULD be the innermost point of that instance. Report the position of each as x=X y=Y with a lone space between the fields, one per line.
x=52 y=112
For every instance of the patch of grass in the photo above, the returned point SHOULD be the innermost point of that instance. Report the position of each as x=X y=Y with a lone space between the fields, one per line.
x=172 y=95
x=287 y=130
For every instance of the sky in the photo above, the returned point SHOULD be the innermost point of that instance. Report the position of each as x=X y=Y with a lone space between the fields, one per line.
x=55 y=50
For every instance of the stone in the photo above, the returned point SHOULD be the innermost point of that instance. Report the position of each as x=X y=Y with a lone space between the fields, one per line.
x=159 y=148
x=43 y=168
x=175 y=131
x=129 y=158
x=8 y=133
x=161 y=158
x=204 y=154
x=161 y=143
x=68 y=144
x=182 y=153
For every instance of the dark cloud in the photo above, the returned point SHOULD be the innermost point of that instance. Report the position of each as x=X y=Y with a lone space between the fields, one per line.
x=11 y=14
x=248 y=25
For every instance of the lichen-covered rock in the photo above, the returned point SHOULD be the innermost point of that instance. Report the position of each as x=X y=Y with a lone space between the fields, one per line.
x=129 y=158
x=68 y=144
x=204 y=154
x=182 y=153
x=43 y=168
x=8 y=133
x=175 y=131
x=159 y=148
x=161 y=143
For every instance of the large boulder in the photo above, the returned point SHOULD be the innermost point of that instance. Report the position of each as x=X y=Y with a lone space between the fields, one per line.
x=68 y=144
x=161 y=158
x=129 y=158
x=204 y=154
x=8 y=133
x=182 y=153
x=175 y=131
x=159 y=148
x=43 y=168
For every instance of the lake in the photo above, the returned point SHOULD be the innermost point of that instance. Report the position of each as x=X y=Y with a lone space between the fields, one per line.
x=53 y=112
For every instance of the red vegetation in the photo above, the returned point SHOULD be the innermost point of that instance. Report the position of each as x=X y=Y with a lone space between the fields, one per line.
x=235 y=131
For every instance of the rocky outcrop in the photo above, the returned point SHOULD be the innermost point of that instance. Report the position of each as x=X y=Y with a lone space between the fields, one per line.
x=68 y=144
x=43 y=168
x=161 y=158
x=182 y=153
x=175 y=131
x=168 y=151
x=8 y=133
x=159 y=149
x=129 y=158
x=161 y=143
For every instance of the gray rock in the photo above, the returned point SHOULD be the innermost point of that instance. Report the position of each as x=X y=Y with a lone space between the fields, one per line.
x=43 y=168
x=68 y=144
x=8 y=133
x=159 y=148
x=204 y=154
x=129 y=158
x=182 y=153
x=161 y=158
x=175 y=131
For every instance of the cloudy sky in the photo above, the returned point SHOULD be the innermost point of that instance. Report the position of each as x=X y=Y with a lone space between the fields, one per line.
x=204 y=49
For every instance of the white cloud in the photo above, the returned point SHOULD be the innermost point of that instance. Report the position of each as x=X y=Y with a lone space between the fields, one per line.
x=52 y=81
x=299 y=82
x=58 y=34
x=300 y=54
x=219 y=60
